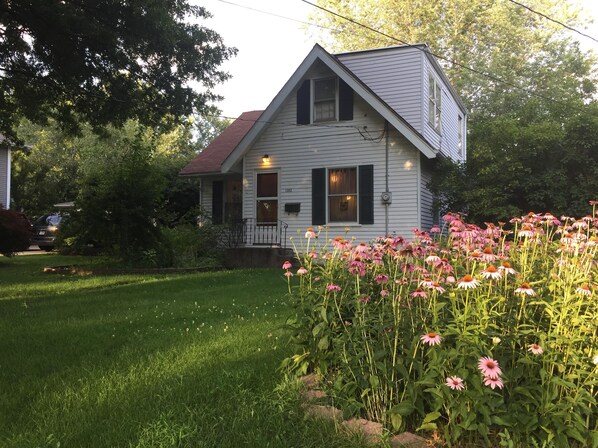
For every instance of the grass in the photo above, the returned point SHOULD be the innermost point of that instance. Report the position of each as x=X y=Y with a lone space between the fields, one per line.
x=186 y=360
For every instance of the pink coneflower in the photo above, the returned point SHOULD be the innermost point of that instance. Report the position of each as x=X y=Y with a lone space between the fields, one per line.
x=450 y=279
x=525 y=288
x=491 y=272
x=301 y=271
x=365 y=299
x=288 y=274
x=507 y=269
x=310 y=233
x=432 y=258
x=431 y=338
x=332 y=287
x=419 y=293
x=535 y=349
x=312 y=254
x=487 y=256
x=468 y=282
x=426 y=282
x=455 y=383
x=287 y=265
x=584 y=290
x=356 y=267
x=489 y=367
x=526 y=231
x=493 y=382
x=362 y=247
x=381 y=279
x=444 y=265
x=435 y=229
x=436 y=287
x=384 y=292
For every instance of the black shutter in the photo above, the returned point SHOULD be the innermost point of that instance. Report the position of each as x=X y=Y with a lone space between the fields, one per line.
x=318 y=196
x=303 y=102
x=217 y=199
x=366 y=194
x=345 y=101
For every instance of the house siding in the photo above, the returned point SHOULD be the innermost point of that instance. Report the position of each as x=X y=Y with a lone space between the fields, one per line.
x=295 y=150
x=395 y=75
x=4 y=178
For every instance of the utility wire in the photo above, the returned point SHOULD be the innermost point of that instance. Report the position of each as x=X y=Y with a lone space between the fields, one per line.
x=438 y=56
x=564 y=25
x=280 y=16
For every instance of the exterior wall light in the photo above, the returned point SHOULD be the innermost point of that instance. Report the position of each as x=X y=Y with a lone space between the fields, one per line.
x=266 y=159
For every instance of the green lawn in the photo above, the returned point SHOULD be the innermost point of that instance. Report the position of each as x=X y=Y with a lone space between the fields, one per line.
x=146 y=360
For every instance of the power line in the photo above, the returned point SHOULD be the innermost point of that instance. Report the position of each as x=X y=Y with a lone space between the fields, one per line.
x=564 y=25
x=438 y=56
x=279 y=16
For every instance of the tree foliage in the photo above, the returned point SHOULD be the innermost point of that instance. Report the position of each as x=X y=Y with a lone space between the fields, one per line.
x=104 y=61
x=529 y=89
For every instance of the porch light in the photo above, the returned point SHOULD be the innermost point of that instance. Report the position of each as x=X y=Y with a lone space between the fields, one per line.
x=266 y=159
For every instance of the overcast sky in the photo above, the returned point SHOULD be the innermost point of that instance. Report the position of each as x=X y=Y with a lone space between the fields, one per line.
x=271 y=48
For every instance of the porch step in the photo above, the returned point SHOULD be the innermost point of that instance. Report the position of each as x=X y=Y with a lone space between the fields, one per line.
x=256 y=257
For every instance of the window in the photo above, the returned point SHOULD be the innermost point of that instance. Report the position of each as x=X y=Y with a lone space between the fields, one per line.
x=342 y=195
x=460 y=135
x=267 y=198
x=324 y=100
x=434 y=103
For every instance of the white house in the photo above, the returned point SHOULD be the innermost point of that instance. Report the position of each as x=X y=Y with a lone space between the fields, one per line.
x=348 y=142
x=4 y=173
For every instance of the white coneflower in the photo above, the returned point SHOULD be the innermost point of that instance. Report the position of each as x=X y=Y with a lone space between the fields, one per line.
x=525 y=288
x=468 y=282
x=491 y=273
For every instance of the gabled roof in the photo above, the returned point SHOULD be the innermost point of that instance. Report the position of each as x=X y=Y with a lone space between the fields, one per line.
x=318 y=53
x=209 y=161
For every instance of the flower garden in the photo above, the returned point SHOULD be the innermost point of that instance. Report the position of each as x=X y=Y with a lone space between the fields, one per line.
x=471 y=336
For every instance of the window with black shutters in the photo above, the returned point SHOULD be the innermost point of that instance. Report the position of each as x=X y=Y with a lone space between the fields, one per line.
x=324 y=99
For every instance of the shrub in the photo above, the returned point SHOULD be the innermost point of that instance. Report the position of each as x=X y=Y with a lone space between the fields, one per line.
x=15 y=232
x=189 y=246
x=483 y=336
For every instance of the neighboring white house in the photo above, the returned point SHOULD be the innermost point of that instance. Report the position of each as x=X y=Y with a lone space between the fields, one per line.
x=347 y=142
x=4 y=173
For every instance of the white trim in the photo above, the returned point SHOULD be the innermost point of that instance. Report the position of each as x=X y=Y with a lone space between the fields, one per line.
x=312 y=101
x=393 y=118
x=344 y=223
x=257 y=172
x=419 y=191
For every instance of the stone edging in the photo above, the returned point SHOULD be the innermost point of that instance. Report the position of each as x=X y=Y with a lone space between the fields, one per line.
x=372 y=432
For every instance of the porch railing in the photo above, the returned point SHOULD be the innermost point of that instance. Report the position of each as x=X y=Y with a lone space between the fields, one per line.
x=249 y=232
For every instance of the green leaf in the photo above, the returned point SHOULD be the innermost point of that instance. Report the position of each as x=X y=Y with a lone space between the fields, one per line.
x=403 y=408
x=427 y=427
x=324 y=343
x=431 y=417
x=396 y=421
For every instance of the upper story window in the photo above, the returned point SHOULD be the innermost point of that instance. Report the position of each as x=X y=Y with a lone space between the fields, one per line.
x=325 y=91
x=324 y=99
x=434 y=103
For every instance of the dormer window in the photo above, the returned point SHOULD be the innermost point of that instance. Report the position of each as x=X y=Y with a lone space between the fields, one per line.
x=324 y=99
x=434 y=103
x=324 y=105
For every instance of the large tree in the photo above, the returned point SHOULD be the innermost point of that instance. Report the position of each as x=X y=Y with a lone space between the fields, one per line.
x=104 y=61
x=528 y=86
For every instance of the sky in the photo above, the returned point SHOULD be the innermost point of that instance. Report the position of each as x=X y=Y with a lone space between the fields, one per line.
x=271 y=47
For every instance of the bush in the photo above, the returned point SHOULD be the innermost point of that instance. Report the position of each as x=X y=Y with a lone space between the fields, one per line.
x=482 y=336
x=189 y=246
x=15 y=232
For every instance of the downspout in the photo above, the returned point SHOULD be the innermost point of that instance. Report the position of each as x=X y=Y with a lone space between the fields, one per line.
x=386 y=204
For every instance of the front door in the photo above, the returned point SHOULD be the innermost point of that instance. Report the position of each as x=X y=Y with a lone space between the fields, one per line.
x=266 y=229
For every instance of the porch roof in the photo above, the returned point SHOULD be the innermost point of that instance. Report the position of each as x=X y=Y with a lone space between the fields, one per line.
x=209 y=161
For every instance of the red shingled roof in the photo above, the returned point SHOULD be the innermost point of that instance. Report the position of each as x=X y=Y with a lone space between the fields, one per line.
x=211 y=158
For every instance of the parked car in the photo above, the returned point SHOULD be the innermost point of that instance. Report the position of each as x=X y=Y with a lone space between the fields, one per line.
x=44 y=230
